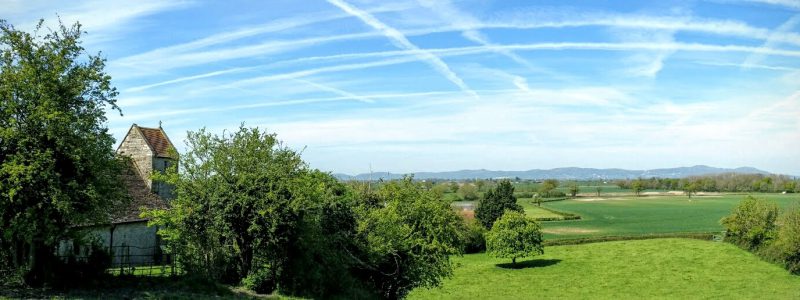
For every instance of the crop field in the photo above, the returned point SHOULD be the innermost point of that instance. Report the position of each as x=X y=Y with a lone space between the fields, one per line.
x=631 y=215
x=658 y=268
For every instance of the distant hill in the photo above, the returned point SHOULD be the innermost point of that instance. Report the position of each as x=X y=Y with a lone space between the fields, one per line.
x=559 y=173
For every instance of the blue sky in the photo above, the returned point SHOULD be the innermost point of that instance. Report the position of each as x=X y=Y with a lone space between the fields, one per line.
x=447 y=85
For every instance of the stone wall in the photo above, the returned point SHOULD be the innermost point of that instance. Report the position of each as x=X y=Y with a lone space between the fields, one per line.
x=135 y=147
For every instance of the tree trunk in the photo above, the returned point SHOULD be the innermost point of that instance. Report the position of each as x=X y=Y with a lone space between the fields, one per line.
x=514 y=261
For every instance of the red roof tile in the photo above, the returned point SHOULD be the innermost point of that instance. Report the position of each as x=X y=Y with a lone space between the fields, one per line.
x=158 y=141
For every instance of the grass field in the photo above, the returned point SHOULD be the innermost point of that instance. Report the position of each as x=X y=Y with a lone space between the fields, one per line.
x=659 y=268
x=533 y=211
x=644 y=215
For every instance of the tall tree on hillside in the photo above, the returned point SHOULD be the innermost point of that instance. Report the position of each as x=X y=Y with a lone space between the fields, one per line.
x=57 y=164
x=495 y=202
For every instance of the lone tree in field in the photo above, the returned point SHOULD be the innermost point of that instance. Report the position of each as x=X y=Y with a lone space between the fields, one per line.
x=637 y=186
x=573 y=189
x=690 y=188
x=495 y=202
x=57 y=164
x=514 y=236
x=598 y=189
x=547 y=186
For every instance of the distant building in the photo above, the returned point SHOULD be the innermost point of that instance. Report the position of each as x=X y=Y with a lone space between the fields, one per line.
x=126 y=234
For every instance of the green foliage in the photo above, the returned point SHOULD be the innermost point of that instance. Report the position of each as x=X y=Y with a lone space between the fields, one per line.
x=573 y=189
x=637 y=186
x=514 y=236
x=57 y=165
x=495 y=202
x=249 y=210
x=547 y=186
x=786 y=246
x=472 y=236
x=752 y=223
x=468 y=192
x=408 y=238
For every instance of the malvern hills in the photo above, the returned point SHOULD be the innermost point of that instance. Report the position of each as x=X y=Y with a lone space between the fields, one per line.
x=559 y=173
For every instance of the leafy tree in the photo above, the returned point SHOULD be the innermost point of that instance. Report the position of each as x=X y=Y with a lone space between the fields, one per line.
x=514 y=236
x=468 y=192
x=547 y=186
x=57 y=165
x=637 y=186
x=480 y=183
x=408 y=239
x=453 y=187
x=690 y=188
x=495 y=202
x=787 y=239
x=752 y=223
x=598 y=189
x=573 y=189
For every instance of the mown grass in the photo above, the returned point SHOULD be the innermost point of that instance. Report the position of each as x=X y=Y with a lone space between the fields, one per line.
x=645 y=269
x=646 y=215
x=533 y=211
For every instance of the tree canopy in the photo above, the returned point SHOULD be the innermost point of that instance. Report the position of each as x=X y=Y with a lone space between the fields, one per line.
x=495 y=202
x=57 y=164
x=514 y=236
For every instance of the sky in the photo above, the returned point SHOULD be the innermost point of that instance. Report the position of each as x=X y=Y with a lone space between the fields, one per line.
x=443 y=85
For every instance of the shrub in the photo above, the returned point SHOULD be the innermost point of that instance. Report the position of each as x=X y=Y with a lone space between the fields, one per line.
x=524 y=195
x=752 y=223
x=786 y=247
x=472 y=236
x=553 y=194
x=514 y=236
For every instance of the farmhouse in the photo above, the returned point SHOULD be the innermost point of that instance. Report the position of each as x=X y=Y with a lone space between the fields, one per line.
x=126 y=235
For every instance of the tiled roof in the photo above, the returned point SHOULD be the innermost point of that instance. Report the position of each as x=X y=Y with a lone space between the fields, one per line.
x=158 y=141
x=140 y=197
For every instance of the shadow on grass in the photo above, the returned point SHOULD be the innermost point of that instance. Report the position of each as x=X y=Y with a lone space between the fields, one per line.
x=533 y=263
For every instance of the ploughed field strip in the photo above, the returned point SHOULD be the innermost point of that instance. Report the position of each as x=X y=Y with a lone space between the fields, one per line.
x=627 y=216
x=657 y=268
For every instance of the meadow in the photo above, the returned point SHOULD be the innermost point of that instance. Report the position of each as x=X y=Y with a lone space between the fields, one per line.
x=657 y=268
x=651 y=214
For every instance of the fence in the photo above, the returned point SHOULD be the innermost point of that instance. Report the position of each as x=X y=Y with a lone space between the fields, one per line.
x=129 y=260
x=139 y=261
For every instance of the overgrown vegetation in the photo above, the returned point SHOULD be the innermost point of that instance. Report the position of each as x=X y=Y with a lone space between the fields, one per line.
x=57 y=165
x=249 y=211
x=755 y=225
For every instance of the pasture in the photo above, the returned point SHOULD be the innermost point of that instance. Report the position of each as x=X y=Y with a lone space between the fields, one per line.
x=658 y=268
x=653 y=214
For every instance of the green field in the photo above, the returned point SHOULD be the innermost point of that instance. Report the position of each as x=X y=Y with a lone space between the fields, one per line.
x=646 y=215
x=658 y=268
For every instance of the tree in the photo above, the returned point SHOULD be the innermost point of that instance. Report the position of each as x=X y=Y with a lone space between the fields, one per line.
x=514 y=236
x=752 y=223
x=408 y=239
x=547 y=186
x=495 y=202
x=637 y=186
x=598 y=189
x=468 y=192
x=573 y=189
x=787 y=239
x=690 y=188
x=57 y=164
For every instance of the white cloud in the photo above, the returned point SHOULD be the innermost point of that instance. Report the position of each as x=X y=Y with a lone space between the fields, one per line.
x=772 y=41
x=400 y=40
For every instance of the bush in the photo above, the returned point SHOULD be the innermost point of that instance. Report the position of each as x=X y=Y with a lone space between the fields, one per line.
x=553 y=194
x=786 y=247
x=524 y=195
x=472 y=236
x=752 y=223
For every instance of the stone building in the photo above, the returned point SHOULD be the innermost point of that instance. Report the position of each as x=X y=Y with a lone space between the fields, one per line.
x=127 y=235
